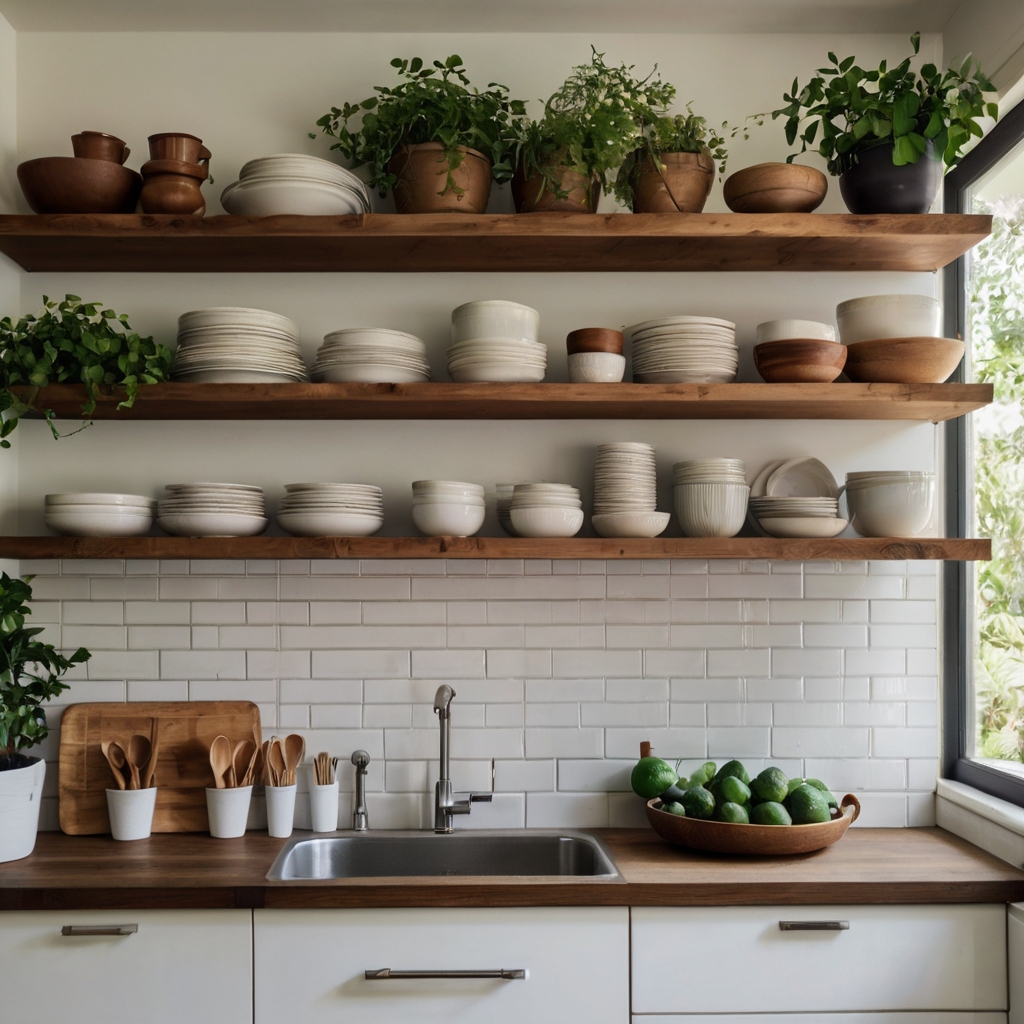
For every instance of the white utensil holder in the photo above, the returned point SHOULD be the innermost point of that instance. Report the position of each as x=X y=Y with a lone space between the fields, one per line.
x=228 y=810
x=131 y=812
x=323 y=807
x=280 y=810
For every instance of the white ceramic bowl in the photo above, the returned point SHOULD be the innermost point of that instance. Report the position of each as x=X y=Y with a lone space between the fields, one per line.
x=596 y=367
x=451 y=519
x=329 y=524
x=366 y=373
x=495 y=318
x=896 y=509
x=98 y=523
x=269 y=197
x=547 y=521
x=211 y=524
x=91 y=498
x=797 y=526
x=784 y=330
x=631 y=524
x=711 y=510
x=889 y=316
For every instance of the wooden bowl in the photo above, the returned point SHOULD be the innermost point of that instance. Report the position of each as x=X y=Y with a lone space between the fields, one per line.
x=903 y=360
x=775 y=188
x=799 y=361
x=68 y=184
x=594 y=339
x=753 y=840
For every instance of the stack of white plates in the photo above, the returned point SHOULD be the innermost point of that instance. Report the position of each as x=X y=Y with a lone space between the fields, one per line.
x=232 y=345
x=99 y=515
x=504 y=507
x=796 y=497
x=546 y=510
x=626 y=492
x=496 y=340
x=212 y=510
x=331 y=510
x=447 y=508
x=710 y=471
x=684 y=350
x=710 y=496
x=371 y=355
x=293 y=183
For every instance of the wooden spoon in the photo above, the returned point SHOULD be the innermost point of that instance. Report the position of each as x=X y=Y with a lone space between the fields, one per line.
x=294 y=751
x=115 y=758
x=276 y=762
x=240 y=760
x=150 y=770
x=139 y=749
x=220 y=760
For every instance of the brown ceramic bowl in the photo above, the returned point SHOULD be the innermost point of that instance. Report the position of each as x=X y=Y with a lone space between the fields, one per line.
x=799 y=361
x=903 y=360
x=775 y=188
x=100 y=146
x=594 y=339
x=67 y=184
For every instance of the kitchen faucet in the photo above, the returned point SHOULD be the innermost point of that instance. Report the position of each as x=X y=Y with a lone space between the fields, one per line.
x=447 y=804
x=360 y=817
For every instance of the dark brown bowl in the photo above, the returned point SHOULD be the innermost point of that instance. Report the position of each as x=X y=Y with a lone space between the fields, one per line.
x=68 y=184
x=594 y=339
x=800 y=361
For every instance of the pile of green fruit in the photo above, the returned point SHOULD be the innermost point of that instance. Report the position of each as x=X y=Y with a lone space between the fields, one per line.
x=729 y=794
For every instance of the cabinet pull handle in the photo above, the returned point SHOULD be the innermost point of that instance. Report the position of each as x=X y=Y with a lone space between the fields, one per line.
x=501 y=973
x=99 y=929
x=814 y=926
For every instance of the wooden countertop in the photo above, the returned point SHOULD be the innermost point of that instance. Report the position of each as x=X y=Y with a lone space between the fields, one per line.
x=924 y=865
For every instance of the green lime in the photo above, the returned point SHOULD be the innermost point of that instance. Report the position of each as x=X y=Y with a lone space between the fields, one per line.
x=674 y=807
x=734 y=768
x=794 y=784
x=770 y=813
x=733 y=791
x=771 y=784
x=651 y=777
x=732 y=812
x=808 y=805
x=699 y=803
x=819 y=785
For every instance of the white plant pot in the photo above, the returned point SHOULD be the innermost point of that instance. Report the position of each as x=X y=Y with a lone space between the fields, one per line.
x=21 y=792
x=280 y=810
x=323 y=807
x=131 y=812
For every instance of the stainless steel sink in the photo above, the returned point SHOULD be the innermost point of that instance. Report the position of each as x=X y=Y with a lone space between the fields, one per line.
x=397 y=854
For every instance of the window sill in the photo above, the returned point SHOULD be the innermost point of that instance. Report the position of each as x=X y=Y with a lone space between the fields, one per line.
x=986 y=821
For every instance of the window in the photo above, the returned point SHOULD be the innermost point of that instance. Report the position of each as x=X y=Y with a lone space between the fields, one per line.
x=983 y=608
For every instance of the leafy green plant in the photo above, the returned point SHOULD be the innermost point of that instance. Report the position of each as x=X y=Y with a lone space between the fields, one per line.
x=74 y=342
x=30 y=674
x=857 y=109
x=431 y=104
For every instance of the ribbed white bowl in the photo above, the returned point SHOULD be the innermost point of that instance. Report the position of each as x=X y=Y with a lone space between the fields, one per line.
x=711 y=510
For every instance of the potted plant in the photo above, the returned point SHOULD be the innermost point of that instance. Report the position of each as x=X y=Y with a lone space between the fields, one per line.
x=432 y=140
x=888 y=132
x=30 y=674
x=590 y=126
x=73 y=342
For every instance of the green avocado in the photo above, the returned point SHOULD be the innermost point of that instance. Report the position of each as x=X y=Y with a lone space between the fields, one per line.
x=651 y=777
x=699 y=803
x=674 y=807
x=808 y=805
x=736 y=769
x=819 y=785
x=795 y=783
x=770 y=813
x=733 y=813
x=771 y=785
x=732 y=790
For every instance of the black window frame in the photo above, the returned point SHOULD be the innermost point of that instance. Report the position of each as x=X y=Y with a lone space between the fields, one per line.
x=958 y=716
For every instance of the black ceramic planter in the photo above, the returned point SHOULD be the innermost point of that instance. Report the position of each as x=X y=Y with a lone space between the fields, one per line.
x=876 y=185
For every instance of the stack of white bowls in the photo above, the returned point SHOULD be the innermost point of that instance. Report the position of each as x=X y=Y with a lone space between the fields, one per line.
x=796 y=497
x=99 y=515
x=546 y=510
x=371 y=355
x=232 y=345
x=212 y=510
x=710 y=496
x=684 y=350
x=447 y=508
x=890 y=504
x=504 y=507
x=293 y=183
x=331 y=510
x=626 y=492
x=496 y=340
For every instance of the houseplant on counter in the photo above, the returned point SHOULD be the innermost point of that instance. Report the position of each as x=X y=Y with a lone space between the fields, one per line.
x=432 y=140
x=888 y=132
x=30 y=674
x=73 y=342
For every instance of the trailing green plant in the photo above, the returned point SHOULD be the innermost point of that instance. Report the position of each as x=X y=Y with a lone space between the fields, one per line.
x=73 y=342
x=431 y=104
x=30 y=674
x=857 y=109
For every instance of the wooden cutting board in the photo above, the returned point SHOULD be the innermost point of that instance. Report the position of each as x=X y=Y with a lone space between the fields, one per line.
x=183 y=766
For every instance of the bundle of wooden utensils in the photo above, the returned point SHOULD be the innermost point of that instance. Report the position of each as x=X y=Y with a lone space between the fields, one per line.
x=281 y=758
x=233 y=766
x=324 y=767
x=133 y=764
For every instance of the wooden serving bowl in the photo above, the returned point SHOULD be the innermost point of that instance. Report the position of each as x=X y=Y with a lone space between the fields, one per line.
x=775 y=188
x=68 y=184
x=799 y=361
x=903 y=360
x=753 y=840
x=594 y=339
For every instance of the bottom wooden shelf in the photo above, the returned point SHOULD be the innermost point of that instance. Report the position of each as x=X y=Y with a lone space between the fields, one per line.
x=803 y=550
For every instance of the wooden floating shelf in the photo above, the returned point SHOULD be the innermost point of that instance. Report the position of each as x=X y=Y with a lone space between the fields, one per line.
x=172 y=401
x=491 y=242
x=851 y=549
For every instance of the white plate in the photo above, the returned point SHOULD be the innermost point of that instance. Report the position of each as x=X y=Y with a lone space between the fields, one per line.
x=688 y=319
x=236 y=316
x=308 y=198
x=98 y=524
x=503 y=373
x=236 y=377
x=210 y=524
x=631 y=524
x=94 y=498
x=329 y=524
x=802 y=477
x=684 y=377
x=792 y=526
x=366 y=373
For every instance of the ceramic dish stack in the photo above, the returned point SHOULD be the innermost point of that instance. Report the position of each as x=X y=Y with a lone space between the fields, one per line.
x=546 y=510
x=331 y=510
x=99 y=515
x=293 y=183
x=234 y=345
x=504 y=507
x=212 y=510
x=371 y=355
x=890 y=503
x=447 y=508
x=626 y=492
x=684 y=350
x=796 y=497
x=496 y=340
x=710 y=496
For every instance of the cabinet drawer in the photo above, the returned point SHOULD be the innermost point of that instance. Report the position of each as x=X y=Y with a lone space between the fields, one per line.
x=181 y=965
x=890 y=958
x=310 y=965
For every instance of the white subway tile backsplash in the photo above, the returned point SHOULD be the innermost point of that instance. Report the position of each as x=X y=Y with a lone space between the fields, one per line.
x=566 y=810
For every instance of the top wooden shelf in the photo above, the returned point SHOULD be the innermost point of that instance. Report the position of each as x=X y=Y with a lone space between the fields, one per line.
x=491 y=242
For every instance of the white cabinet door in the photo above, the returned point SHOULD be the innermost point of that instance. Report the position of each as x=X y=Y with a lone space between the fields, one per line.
x=180 y=965
x=310 y=965
x=912 y=1017
x=890 y=958
x=1015 y=934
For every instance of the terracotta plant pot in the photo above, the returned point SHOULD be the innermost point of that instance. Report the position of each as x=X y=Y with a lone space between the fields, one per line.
x=681 y=185
x=178 y=146
x=68 y=184
x=422 y=172
x=171 y=186
x=530 y=196
x=775 y=188
x=876 y=185
x=100 y=146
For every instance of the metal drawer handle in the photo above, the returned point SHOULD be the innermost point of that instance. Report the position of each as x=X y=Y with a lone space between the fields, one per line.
x=502 y=973
x=814 y=926
x=99 y=929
